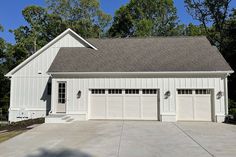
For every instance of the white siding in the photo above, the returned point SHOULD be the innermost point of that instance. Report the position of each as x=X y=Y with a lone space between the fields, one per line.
x=167 y=106
x=28 y=87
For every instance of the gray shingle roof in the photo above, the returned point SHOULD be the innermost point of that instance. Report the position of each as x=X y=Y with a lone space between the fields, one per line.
x=164 y=54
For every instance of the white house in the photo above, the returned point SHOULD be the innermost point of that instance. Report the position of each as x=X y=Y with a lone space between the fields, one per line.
x=165 y=79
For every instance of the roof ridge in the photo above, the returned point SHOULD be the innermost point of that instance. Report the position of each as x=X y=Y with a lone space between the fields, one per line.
x=150 y=37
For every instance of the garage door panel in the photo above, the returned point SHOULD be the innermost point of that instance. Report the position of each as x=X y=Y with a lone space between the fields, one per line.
x=149 y=104
x=132 y=107
x=203 y=108
x=127 y=104
x=98 y=108
x=185 y=108
x=194 y=105
x=115 y=107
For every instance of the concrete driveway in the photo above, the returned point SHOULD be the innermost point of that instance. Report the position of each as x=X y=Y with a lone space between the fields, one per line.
x=124 y=139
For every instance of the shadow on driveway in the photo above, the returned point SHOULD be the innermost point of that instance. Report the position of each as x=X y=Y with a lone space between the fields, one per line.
x=60 y=153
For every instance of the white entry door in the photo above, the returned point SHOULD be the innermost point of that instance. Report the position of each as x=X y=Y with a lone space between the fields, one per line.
x=194 y=105
x=61 y=98
x=136 y=104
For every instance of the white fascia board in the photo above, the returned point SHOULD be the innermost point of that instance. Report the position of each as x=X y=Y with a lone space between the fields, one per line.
x=169 y=72
x=85 y=41
x=9 y=74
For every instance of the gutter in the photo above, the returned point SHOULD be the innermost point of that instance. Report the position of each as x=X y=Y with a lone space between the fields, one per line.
x=169 y=72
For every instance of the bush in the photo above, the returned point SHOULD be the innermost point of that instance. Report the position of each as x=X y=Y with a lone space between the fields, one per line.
x=232 y=107
x=232 y=111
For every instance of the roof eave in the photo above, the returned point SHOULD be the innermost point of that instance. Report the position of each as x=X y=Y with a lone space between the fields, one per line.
x=164 y=72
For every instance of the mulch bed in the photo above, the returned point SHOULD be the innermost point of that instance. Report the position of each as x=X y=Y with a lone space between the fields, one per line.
x=22 y=125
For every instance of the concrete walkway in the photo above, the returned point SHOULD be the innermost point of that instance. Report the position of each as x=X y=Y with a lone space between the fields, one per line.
x=124 y=139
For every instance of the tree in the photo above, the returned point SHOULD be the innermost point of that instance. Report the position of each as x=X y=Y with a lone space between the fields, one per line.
x=4 y=82
x=84 y=16
x=2 y=45
x=229 y=51
x=193 y=30
x=145 y=18
x=208 y=12
x=1 y=28
x=220 y=27
x=42 y=28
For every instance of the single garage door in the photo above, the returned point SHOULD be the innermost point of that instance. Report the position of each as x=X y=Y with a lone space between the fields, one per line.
x=194 y=105
x=135 y=104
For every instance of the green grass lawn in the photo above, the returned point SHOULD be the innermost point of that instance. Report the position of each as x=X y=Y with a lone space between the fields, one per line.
x=9 y=134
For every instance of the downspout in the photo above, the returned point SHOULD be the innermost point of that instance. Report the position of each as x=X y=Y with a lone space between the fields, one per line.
x=226 y=95
x=52 y=95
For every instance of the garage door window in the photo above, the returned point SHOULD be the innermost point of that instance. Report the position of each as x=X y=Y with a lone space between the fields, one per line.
x=203 y=91
x=131 y=91
x=115 y=91
x=149 y=91
x=98 y=91
x=185 y=91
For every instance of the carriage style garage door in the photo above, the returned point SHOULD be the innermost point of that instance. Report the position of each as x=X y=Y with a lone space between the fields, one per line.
x=194 y=105
x=136 y=104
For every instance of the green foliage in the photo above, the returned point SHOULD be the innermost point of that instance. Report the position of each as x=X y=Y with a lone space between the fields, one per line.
x=208 y=12
x=143 y=28
x=2 y=45
x=4 y=82
x=158 y=18
x=83 y=16
x=122 y=23
x=229 y=51
x=42 y=28
x=1 y=28
x=193 y=30
x=232 y=107
x=222 y=32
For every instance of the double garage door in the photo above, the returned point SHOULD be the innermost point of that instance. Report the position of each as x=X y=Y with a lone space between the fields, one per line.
x=194 y=105
x=135 y=104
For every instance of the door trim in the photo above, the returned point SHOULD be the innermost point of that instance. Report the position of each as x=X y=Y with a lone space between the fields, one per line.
x=58 y=97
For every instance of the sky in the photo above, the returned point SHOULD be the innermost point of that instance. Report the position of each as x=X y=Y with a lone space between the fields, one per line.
x=11 y=13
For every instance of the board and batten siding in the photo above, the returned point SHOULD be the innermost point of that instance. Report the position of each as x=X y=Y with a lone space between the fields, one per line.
x=29 y=84
x=167 y=106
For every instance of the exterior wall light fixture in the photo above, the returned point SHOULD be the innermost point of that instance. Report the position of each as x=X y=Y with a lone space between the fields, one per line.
x=219 y=94
x=167 y=94
x=79 y=94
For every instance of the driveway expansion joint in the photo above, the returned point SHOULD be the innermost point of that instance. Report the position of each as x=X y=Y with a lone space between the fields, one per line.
x=121 y=133
x=182 y=130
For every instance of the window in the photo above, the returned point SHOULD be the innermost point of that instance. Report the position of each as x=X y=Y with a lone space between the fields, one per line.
x=115 y=91
x=185 y=91
x=49 y=88
x=149 y=91
x=203 y=91
x=61 y=92
x=131 y=91
x=98 y=91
